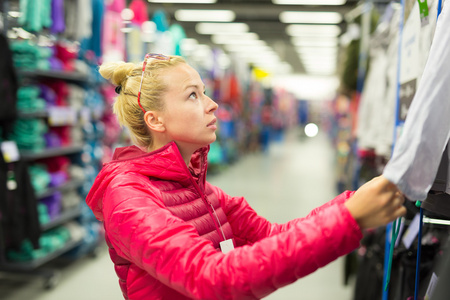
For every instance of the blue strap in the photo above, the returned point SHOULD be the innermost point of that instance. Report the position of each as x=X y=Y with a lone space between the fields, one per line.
x=439 y=8
x=419 y=247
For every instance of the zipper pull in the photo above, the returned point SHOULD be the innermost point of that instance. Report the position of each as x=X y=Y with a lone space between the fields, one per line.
x=11 y=183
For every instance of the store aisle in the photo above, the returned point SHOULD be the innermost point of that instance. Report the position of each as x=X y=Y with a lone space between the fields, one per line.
x=288 y=181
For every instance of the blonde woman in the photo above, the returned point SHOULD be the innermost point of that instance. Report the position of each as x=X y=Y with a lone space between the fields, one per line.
x=172 y=235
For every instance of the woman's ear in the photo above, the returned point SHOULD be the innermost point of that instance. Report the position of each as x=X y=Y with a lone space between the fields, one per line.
x=153 y=121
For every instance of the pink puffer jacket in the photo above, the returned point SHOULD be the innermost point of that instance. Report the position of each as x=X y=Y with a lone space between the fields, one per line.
x=164 y=237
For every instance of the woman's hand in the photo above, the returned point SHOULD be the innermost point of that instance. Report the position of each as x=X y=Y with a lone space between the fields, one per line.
x=376 y=203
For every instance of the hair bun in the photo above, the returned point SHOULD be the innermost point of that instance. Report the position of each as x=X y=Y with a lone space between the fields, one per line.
x=116 y=72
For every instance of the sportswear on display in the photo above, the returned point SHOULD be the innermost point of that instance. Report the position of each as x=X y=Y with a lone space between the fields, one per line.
x=426 y=132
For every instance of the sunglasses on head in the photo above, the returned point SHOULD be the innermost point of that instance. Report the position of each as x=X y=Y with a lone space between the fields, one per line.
x=147 y=56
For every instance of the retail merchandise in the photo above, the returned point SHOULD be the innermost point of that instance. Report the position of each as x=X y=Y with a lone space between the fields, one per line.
x=52 y=136
x=400 y=132
x=424 y=137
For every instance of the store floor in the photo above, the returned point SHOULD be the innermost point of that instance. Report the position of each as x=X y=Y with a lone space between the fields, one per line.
x=289 y=180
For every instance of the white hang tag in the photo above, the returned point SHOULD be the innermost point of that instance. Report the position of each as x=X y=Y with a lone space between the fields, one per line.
x=10 y=151
x=411 y=232
x=433 y=282
x=226 y=246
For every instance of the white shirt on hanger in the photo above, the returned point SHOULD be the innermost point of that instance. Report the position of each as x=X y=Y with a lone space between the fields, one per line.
x=426 y=132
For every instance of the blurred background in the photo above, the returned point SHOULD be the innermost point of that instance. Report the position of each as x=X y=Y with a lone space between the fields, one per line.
x=308 y=94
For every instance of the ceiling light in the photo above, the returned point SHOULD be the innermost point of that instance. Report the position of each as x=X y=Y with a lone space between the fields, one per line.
x=261 y=53
x=219 y=40
x=312 y=30
x=315 y=51
x=309 y=2
x=237 y=35
x=324 y=68
x=204 y=15
x=312 y=39
x=213 y=28
x=319 y=63
x=188 y=45
x=311 y=17
x=184 y=1
x=325 y=58
x=309 y=43
x=234 y=38
x=252 y=49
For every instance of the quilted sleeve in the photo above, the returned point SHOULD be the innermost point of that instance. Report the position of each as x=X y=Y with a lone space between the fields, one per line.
x=144 y=232
x=249 y=227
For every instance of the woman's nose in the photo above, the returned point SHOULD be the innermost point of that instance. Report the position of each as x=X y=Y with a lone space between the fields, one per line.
x=212 y=105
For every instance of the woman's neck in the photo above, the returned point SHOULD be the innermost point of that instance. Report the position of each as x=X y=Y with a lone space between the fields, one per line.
x=185 y=154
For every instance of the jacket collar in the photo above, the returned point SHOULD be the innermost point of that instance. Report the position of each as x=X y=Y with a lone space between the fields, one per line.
x=165 y=163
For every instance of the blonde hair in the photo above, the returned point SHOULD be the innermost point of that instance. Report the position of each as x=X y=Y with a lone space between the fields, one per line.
x=126 y=107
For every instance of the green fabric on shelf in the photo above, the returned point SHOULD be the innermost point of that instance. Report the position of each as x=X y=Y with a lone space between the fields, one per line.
x=40 y=177
x=29 y=134
x=43 y=215
x=28 y=92
x=36 y=14
x=49 y=242
x=30 y=56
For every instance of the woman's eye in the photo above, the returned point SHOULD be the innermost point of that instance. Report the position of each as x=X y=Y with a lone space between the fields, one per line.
x=193 y=95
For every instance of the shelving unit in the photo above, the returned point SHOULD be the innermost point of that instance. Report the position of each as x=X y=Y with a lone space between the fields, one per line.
x=55 y=117
x=70 y=185
x=29 y=266
x=37 y=266
x=50 y=152
x=76 y=77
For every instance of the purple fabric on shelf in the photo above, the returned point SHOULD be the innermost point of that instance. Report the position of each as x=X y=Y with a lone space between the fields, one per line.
x=47 y=94
x=55 y=63
x=53 y=204
x=58 y=24
x=52 y=140
x=58 y=178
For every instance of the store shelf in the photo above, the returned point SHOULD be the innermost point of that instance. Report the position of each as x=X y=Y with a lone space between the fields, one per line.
x=35 y=114
x=33 y=264
x=62 y=218
x=55 y=74
x=49 y=152
x=70 y=185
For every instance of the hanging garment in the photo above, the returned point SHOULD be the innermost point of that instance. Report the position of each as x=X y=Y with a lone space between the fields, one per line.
x=113 y=38
x=8 y=87
x=57 y=13
x=84 y=19
x=442 y=290
x=18 y=206
x=139 y=8
x=426 y=132
x=438 y=199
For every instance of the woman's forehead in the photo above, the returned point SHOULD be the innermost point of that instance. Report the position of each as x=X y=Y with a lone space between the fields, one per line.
x=182 y=76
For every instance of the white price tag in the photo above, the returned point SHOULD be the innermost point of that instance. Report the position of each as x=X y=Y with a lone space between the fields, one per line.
x=411 y=232
x=226 y=246
x=10 y=151
x=61 y=115
x=431 y=286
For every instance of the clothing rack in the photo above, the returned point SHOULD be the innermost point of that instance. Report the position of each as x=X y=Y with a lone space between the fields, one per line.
x=428 y=220
x=423 y=218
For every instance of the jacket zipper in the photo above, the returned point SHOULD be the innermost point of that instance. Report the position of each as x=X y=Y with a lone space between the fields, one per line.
x=211 y=210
